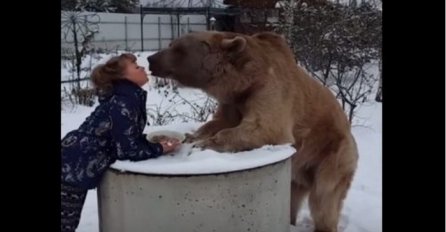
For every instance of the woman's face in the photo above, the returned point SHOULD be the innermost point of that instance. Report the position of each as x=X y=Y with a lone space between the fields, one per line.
x=135 y=73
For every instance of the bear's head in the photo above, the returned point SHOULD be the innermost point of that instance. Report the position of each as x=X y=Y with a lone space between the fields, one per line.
x=203 y=59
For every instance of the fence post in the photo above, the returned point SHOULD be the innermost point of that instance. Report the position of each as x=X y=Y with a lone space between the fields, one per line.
x=126 y=36
x=207 y=18
x=171 y=26
x=159 y=33
x=141 y=13
x=188 y=25
x=178 y=25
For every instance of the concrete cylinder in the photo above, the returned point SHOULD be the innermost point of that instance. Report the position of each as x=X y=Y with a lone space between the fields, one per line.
x=256 y=200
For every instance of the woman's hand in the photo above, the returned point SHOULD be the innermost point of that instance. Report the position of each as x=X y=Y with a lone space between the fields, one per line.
x=169 y=144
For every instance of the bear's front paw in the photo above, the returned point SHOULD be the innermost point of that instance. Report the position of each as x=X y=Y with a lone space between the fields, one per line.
x=209 y=143
x=190 y=138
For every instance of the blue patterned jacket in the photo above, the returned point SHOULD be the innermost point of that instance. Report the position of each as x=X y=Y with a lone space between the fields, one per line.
x=113 y=131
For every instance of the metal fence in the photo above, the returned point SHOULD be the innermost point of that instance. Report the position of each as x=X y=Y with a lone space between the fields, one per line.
x=123 y=31
x=149 y=30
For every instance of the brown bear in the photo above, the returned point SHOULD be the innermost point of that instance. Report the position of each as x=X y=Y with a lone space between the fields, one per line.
x=264 y=97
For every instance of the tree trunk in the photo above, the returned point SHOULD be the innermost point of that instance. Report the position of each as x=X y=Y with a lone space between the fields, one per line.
x=77 y=54
x=351 y=113
x=379 y=94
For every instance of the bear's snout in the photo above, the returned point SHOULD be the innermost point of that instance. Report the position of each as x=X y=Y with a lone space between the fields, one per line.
x=155 y=65
x=151 y=59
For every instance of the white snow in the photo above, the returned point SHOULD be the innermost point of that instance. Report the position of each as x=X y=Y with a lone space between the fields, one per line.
x=362 y=211
x=188 y=160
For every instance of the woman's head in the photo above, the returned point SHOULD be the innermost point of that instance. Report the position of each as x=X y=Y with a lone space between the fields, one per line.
x=117 y=68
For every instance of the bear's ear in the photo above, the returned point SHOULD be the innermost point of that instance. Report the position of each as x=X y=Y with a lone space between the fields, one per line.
x=236 y=44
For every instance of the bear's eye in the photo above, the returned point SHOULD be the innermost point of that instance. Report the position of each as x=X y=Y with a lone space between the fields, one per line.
x=178 y=49
x=205 y=45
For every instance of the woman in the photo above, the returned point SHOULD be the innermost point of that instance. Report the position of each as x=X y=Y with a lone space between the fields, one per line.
x=114 y=131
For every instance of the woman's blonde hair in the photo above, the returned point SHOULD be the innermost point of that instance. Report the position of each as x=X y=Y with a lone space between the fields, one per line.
x=104 y=75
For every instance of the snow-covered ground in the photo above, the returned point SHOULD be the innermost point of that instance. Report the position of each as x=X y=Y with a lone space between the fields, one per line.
x=362 y=208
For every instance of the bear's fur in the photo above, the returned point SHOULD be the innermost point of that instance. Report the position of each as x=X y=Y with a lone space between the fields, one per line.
x=266 y=98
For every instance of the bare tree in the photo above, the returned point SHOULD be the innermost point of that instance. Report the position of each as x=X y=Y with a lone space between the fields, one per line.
x=336 y=43
x=353 y=86
x=79 y=28
x=193 y=110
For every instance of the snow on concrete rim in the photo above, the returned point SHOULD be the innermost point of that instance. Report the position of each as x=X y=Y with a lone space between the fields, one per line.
x=192 y=161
